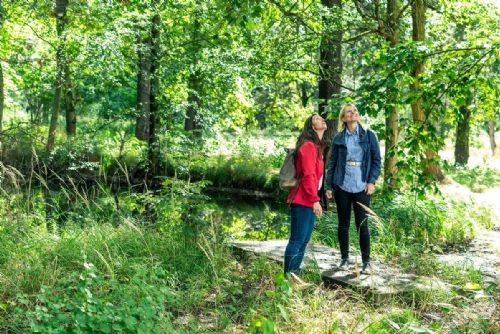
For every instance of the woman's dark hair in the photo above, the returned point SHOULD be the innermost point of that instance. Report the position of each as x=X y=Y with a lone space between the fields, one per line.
x=308 y=134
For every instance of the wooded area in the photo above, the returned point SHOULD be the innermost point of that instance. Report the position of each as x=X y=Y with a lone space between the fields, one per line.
x=119 y=120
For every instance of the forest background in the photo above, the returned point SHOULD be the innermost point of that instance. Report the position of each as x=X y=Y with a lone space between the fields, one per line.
x=136 y=137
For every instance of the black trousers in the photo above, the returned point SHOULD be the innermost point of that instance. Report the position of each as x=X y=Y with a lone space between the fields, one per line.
x=345 y=201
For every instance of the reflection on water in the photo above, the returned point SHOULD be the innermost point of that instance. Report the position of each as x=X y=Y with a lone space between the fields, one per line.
x=233 y=217
x=251 y=219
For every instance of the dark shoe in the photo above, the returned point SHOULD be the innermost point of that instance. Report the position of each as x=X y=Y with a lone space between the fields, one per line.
x=344 y=264
x=367 y=268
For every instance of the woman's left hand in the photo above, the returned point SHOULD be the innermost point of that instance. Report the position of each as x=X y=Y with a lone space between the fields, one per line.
x=370 y=188
x=317 y=209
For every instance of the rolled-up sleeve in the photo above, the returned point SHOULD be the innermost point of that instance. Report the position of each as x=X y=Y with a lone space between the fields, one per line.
x=375 y=158
x=308 y=154
x=332 y=163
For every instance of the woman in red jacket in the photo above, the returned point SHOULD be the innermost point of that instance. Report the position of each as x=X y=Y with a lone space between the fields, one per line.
x=304 y=199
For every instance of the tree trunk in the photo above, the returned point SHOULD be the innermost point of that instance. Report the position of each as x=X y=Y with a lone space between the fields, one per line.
x=418 y=35
x=2 y=97
x=70 y=102
x=61 y=20
x=304 y=97
x=392 y=109
x=143 y=107
x=491 y=133
x=462 y=137
x=330 y=69
x=391 y=143
x=192 y=121
x=154 y=119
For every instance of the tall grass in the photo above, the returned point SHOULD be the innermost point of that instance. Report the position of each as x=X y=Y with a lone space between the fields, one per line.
x=409 y=231
x=108 y=268
x=86 y=259
x=478 y=179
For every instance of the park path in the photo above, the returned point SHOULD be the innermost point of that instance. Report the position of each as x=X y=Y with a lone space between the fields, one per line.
x=483 y=253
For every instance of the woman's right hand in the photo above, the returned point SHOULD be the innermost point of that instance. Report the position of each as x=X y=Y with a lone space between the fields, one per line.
x=329 y=194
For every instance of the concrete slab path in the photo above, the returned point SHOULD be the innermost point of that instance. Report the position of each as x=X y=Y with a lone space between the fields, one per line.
x=385 y=282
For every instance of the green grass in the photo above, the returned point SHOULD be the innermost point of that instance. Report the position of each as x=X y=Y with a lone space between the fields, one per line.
x=405 y=224
x=478 y=179
x=121 y=273
x=89 y=263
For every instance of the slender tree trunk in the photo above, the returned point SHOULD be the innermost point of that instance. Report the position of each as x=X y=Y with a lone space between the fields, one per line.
x=418 y=21
x=143 y=88
x=61 y=20
x=463 y=123
x=154 y=119
x=330 y=70
x=391 y=142
x=193 y=121
x=304 y=97
x=491 y=133
x=462 y=137
x=2 y=97
x=70 y=102
x=418 y=35
x=392 y=109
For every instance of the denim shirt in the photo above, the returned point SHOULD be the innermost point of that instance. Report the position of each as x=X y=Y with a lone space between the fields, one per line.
x=353 y=182
x=371 y=163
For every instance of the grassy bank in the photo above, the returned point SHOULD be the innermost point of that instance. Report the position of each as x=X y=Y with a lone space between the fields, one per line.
x=108 y=268
x=92 y=260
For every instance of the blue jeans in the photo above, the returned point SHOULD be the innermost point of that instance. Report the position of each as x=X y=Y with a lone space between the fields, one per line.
x=301 y=227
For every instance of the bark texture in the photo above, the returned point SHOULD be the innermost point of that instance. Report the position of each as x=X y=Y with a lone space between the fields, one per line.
x=491 y=133
x=69 y=102
x=392 y=109
x=2 y=96
x=418 y=35
x=192 y=122
x=463 y=133
x=143 y=87
x=154 y=116
x=61 y=21
x=193 y=118
x=330 y=69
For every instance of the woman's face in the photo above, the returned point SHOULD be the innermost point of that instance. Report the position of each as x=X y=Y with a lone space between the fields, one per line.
x=318 y=123
x=351 y=115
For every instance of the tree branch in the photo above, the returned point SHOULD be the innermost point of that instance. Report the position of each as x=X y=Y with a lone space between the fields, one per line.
x=38 y=35
x=289 y=13
x=459 y=77
x=403 y=9
x=453 y=50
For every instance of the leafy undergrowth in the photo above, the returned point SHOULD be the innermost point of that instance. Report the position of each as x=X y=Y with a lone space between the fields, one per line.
x=160 y=264
x=405 y=224
x=478 y=179
x=128 y=278
x=224 y=161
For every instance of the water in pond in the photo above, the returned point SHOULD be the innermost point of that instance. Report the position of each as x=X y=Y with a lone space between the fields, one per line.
x=252 y=219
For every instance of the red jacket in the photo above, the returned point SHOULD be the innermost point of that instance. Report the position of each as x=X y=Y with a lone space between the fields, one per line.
x=309 y=166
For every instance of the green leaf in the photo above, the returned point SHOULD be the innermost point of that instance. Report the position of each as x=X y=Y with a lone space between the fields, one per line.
x=283 y=312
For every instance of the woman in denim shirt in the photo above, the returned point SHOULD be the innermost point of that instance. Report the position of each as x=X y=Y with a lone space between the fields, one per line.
x=353 y=169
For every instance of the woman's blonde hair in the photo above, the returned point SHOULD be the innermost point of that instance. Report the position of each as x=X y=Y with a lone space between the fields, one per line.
x=342 y=124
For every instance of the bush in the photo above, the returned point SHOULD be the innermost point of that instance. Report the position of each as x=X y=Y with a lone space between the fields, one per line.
x=100 y=305
x=428 y=221
x=477 y=179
